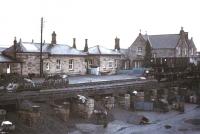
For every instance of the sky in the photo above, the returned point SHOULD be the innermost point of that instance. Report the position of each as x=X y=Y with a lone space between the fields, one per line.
x=100 y=21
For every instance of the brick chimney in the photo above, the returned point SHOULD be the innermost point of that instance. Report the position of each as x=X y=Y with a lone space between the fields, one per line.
x=74 y=42
x=86 y=46
x=117 y=45
x=53 y=41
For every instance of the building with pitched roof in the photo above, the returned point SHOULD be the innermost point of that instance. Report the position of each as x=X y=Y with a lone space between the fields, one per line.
x=108 y=60
x=161 y=46
x=56 y=58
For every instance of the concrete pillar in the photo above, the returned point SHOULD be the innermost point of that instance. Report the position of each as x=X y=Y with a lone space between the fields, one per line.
x=89 y=107
x=83 y=110
x=109 y=102
x=124 y=101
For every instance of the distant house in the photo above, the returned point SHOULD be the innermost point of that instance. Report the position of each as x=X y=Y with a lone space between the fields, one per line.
x=56 y=58
x=160 y=46
x=108 y=60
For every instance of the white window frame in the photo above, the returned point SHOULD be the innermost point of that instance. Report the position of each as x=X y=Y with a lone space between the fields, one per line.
x=47 y=66
x=71 y=64
x=110 y=64
x=192 y=51
x=179 y=51
x=154 y=55
x=8 y=69
x=116 y=63
x=90 y=62
x=139 y=49
x=185 y=51
x=58 y=64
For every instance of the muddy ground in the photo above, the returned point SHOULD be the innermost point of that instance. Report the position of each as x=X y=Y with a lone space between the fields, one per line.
x=171 y=122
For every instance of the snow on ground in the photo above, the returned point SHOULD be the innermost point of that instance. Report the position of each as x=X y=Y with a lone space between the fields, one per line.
x=157 y=123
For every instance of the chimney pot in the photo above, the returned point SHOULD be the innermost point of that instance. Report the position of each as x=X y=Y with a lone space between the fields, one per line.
x=86 y=46
x=53 y=41
x=74 y=42
x=117 y=45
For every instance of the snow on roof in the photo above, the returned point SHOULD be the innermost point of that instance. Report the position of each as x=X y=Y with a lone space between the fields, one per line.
x=64 y=50
x=29 y=47
x=99 y=50
x=57 y=49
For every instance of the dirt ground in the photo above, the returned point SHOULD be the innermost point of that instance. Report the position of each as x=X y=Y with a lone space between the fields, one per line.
x=171 y=122
x=160 y=123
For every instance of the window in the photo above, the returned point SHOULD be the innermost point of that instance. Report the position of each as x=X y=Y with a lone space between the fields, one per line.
x=154 y=55
x=192 y=51
x=71 y=64
x=179 y=51
x=116 y=62
x=90 y=62
x=139 y=49
x=185 y=51
x=125 y=66
x=47 y=66
x=58 y=65
x=8 y=69
x=110 y=64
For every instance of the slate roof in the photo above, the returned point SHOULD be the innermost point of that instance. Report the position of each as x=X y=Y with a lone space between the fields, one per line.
x=1 y=49
x=162 y=41
x=3 y=58
x=99 y=50
x=54 y=49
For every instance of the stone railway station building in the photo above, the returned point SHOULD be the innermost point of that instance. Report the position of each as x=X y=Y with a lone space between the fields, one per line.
x=24 y=57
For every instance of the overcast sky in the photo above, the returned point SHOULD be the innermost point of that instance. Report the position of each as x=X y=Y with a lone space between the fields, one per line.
x=98 y=20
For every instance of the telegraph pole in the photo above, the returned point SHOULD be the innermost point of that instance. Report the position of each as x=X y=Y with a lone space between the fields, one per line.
x=41 y=62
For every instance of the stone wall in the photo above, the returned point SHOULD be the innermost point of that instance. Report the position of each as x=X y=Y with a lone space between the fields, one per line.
x=103 y=62
x=83 y=110
x=106 y=60
x=133 y=54
x=31 y=63
x=124 y=101
x=79 y=66
x=14 y=68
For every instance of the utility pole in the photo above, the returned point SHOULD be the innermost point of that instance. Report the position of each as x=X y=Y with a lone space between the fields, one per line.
x=41 y=62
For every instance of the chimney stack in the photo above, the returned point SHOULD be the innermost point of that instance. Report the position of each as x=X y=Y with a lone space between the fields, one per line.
x=117 y=45
x=74 y=42
x=53 y=41
x=86 y=46
x=15 y=46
